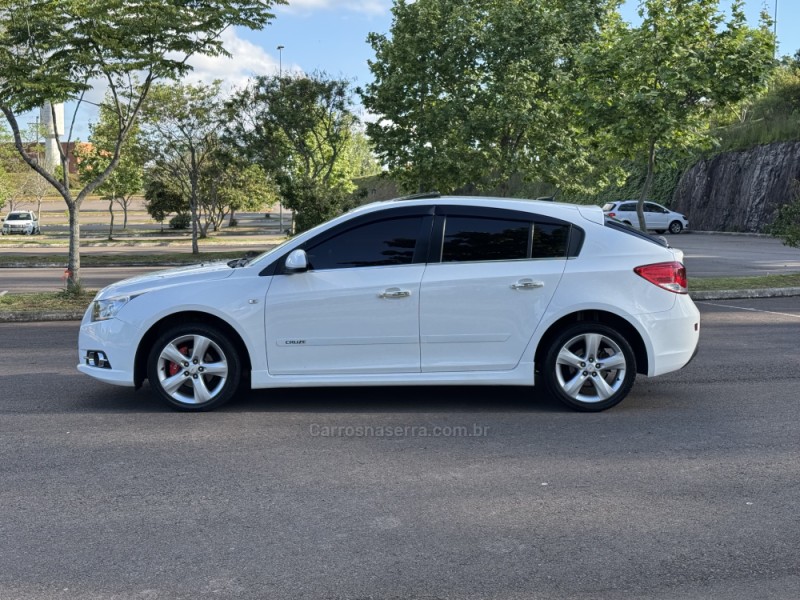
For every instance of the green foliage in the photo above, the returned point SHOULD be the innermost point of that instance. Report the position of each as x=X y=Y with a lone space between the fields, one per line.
x=180 y=221
x=301 y=131
x=470 y=92
x=94 y=157
x=162 y=198
x=53 y=51
x=180 y=126
x=772 y=116
x=647 y=93
x=229 y=184
x=786 y=226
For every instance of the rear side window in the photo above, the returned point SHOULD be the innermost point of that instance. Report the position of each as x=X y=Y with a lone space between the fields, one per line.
x=550 y=240
x=628 y=207
x=471 y=239
x=468 y=239
x=377 y=244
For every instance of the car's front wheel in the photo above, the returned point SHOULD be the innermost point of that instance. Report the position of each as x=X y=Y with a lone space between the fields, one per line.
x=194 y=367
x=675 y=227
x=589 y=367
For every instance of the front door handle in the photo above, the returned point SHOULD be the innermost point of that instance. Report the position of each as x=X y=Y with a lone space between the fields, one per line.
x=394 y=292
x=527 y=284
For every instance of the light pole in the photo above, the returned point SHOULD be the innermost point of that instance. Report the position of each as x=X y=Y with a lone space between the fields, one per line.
x=280 y=82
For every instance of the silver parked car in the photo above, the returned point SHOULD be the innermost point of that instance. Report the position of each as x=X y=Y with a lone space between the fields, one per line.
x=658 y=218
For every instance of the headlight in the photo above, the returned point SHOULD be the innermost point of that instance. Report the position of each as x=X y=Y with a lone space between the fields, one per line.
x=108 y=308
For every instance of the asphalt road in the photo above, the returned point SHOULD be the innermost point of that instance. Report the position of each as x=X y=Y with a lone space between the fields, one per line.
x=710 y=255
x=706 y=256
x=688 y=489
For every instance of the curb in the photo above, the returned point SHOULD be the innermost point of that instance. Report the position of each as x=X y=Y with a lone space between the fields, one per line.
x=35 y=317
x=63 y=265
x=746 y=294
x=734 y=233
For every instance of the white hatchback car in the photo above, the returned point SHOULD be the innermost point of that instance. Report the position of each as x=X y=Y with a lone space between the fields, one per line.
x=422 y=290
x=657 y=218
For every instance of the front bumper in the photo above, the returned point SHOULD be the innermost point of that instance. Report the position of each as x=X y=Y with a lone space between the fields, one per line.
x=115 y=339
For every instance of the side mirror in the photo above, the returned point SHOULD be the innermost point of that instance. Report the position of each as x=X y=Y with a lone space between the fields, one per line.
x=297 y=261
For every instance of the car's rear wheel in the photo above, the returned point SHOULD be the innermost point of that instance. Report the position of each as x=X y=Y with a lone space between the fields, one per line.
x=675 y=227
x=194 y=367
x=589 y=367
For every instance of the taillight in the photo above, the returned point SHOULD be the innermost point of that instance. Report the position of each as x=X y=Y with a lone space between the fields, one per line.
x=612 y=215
x=668 y=275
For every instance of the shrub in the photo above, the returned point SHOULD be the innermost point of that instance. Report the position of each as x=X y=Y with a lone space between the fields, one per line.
x=180 y=221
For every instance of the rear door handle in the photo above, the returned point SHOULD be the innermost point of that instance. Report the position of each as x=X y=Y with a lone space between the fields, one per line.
x=394 y=292
x=527 y=284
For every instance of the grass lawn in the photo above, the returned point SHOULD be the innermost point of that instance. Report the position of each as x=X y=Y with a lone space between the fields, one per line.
x=743 y=283
x=111 y=260
x=45 y=302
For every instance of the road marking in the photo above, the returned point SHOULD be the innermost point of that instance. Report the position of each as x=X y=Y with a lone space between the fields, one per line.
x=771 y=312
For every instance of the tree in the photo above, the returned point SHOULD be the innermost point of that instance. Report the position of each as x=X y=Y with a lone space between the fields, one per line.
x=229 y=184
x=93 y=157
x=786 y=226
x=468 y=92
x=162 y=198
x=649 y=91
x=54 y=51
x=181 y=128
x=298 y=129
x=126 y=180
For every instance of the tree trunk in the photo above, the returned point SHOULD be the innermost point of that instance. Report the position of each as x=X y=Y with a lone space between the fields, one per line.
x=111 y=226
x=230 y=221
x=193 y=211
x=74 y=260
x=648 y=183
x=125 y=214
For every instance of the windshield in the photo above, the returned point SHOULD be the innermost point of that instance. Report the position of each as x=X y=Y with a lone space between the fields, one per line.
x=19 y=217
x=271 y=251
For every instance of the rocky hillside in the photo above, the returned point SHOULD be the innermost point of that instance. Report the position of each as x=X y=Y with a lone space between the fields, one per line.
x=739 y=191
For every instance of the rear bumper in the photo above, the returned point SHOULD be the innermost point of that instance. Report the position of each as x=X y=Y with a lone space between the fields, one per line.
x=674 y=336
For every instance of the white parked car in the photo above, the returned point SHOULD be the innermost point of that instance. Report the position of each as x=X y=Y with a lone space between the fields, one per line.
x=424 y=290
x=21 y=221
x=657 y=218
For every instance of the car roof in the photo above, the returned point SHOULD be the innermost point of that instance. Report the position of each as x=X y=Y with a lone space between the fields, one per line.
x=543 y=207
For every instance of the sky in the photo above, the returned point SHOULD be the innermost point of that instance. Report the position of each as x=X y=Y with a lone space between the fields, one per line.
x=330 y=36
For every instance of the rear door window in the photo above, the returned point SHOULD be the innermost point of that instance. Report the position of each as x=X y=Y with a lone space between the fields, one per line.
x=470 y=239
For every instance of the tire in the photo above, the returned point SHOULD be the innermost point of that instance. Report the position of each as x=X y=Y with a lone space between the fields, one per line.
x=675 y=227
x=189 y=384
x=628 y=223
x=570 y=375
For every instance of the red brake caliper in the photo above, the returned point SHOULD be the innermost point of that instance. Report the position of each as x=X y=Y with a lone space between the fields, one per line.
x=175 y=368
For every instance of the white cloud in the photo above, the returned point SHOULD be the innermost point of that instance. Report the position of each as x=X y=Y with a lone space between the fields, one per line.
x=366 y=7
x=247 y=60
